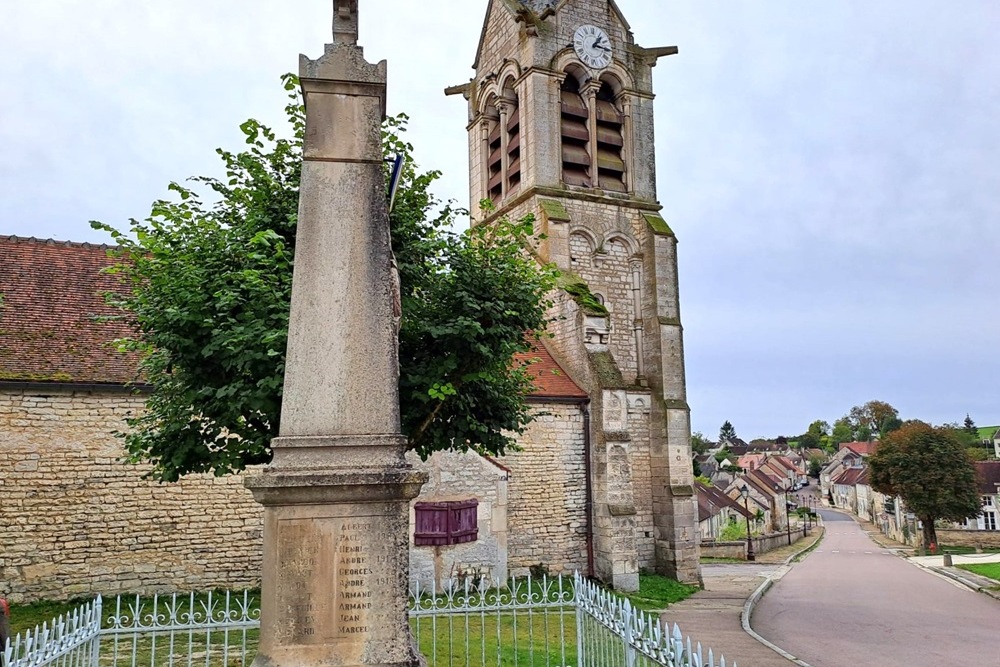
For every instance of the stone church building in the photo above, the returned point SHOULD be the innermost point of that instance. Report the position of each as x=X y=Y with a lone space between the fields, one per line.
x=561 y=127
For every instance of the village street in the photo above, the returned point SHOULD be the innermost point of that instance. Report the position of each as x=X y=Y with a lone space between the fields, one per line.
x=852 y=602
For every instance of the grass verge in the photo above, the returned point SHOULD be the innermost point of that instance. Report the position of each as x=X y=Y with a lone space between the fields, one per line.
x=990 y=570
x=812 y=547
x=657 y=592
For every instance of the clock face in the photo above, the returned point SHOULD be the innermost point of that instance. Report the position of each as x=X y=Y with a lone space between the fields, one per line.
x=592 y=46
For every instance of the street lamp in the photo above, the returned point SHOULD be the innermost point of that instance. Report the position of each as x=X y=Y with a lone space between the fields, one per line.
x=745 y=494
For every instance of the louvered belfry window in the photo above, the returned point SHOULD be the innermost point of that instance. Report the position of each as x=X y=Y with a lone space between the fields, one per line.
x=494 y=163
x=576 y=162
x=610 y=142
x=514 y=149
x=446 y=523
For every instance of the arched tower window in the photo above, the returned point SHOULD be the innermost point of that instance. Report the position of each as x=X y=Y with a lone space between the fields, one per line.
x=610 y=141
x=576 y=162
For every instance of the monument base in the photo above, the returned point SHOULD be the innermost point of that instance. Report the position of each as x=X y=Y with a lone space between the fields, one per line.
x=336 y=567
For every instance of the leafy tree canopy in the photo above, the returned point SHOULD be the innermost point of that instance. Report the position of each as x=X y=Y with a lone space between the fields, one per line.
x=842 y=431
x=815 y=466
x=819 y=428
x=929 y=469
x=208 y=279
x=699 y=443
x=808 y=440
x=871 y=418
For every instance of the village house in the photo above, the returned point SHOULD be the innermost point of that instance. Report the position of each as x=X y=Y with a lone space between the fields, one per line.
x=845 y=490
x=844 y=459
x=989 y=491
x=716 y=510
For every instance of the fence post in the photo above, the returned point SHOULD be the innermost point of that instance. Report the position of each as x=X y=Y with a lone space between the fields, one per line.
x=578 y=592
x=4 y=630
x=95 y=649
x=628 y=620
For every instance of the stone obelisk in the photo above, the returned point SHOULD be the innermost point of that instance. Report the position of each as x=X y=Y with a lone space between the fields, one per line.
x=336 y=495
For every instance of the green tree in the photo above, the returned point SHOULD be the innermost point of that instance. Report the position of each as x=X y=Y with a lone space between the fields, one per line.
x=699 y=443
x=727 y=432
x=969 y=426
x=889 y=424
x=842 y=431
x=929 y=469
x=208 y=285
x=819 y=428
x=815 y=466
x=868 y=419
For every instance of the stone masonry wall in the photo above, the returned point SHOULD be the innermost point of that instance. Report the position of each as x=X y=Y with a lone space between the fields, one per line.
x=461 y=476
x=989 y=539
x=546 y=507
x=638 y=418
x=74 y=521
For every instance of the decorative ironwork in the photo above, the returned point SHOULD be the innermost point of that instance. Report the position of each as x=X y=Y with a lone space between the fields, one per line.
x=556 y=622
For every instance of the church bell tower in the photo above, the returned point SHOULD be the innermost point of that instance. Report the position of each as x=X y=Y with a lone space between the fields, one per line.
x=561 y=127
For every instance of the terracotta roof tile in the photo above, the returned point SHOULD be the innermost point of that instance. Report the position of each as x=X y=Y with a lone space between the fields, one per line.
x=49 y=330
x=551 y=381
x=862 y=448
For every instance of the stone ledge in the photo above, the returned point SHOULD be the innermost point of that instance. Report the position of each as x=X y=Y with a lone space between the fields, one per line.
x=275 y=487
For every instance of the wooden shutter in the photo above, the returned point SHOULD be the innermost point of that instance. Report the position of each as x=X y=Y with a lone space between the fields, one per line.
x=445 y=523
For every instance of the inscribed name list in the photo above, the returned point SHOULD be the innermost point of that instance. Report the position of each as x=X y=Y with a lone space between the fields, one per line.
x=335 y=570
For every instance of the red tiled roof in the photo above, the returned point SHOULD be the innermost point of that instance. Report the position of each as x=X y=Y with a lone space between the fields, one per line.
x=852 y=477
x=989 y=477
x=551 y=381
x=48 y=320
x=862 y=448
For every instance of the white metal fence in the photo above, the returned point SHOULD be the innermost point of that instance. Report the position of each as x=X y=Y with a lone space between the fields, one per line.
x=559 y=622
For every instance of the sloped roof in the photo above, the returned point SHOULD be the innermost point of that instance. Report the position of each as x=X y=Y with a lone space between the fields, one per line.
x=49 y=327
x=715 y=499
x=852 y=477
x=551 y=381
x=989 y=477
x=862 y=448
x=763 y=482
x=766 y=474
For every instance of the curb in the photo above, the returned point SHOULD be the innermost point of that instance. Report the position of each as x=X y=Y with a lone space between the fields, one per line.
x=971 y=585
x=755 y=598
x=745 y=618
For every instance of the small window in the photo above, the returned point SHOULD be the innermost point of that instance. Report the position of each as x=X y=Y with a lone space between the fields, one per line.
x=987 y=501
x=444 y=523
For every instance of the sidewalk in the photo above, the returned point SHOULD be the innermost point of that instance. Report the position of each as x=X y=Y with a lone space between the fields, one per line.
x=713 y=616
x=876 y=534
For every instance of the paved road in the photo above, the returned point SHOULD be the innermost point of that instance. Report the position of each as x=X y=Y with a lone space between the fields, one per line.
x=852 y=602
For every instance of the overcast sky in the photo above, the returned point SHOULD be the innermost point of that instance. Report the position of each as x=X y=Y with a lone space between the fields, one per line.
x=831 y=169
